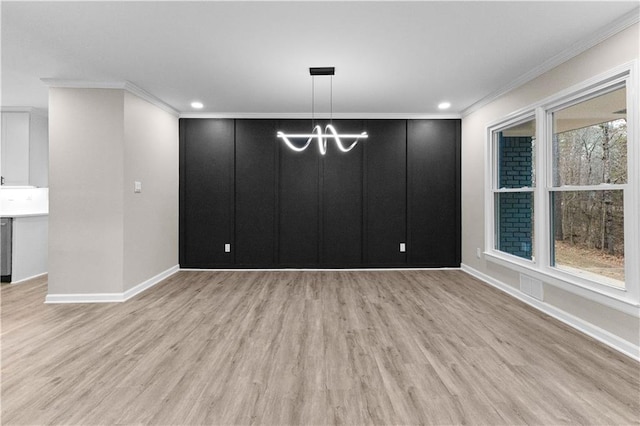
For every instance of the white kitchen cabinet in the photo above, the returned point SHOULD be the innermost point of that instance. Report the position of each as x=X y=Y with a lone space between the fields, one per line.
x=25 y=149
x=15 y=148
x=30 y=243
x=29 y=209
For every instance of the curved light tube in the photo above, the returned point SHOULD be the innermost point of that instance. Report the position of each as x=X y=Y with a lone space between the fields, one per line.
x=322 y=139
x=286 y=140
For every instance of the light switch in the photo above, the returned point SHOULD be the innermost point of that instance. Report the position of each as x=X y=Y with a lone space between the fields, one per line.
x=137 y=187
x=227 y=248
x=403 y=247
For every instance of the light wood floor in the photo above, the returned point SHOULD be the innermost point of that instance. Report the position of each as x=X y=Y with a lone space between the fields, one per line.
x=431 y=347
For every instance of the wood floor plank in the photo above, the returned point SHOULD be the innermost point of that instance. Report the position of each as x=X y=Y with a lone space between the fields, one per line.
x=309 y=348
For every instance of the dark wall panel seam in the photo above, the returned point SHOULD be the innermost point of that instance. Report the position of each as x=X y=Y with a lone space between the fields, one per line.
x=364 y=206
x=181 y=193
x=232 y=216
x=407 y=199
x=458 y=192
x=319 y=253
x=276 y=203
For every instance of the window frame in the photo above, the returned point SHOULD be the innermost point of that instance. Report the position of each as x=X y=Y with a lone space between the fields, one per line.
x=495 y=182
x=540 y=267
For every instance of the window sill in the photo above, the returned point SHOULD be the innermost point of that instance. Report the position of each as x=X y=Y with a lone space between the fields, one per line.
x=618 y=299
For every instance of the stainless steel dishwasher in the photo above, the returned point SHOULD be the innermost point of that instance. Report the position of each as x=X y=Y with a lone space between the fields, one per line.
x=6 y=229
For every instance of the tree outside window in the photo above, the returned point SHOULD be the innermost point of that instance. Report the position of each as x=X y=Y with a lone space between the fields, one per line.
x=589 y=159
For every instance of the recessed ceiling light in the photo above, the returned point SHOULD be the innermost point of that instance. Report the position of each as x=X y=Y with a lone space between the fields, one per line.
x=197 y=105
x=444 y=105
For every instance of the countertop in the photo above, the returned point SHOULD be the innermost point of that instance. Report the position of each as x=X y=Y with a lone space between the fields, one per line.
x=24 y=202
x=18 y=216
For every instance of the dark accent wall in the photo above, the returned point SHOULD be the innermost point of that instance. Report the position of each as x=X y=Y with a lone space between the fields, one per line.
x=341 y=201
x=299 y=194
x=207 y=187
x=256 y=184
x=279 y=208
x=433 y=192
x=385 y=193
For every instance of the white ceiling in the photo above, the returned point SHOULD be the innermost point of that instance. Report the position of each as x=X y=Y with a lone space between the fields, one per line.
x=253 y=57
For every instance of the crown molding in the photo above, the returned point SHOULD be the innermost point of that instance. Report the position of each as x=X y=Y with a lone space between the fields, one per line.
x=132 y=88
x=337 y=116
x=609 y=30
x=141 y=93
x=121 y=85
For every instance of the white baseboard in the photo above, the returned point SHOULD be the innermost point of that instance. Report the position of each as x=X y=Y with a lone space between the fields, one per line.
x=111 y=297
x=623 y=346
x=150 y=282
x=85 y=298
x=317 y=269
x=28 y=278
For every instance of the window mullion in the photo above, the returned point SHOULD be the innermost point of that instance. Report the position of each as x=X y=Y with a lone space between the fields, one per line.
x=542 y=223
x=631 y=196
x=576 y=188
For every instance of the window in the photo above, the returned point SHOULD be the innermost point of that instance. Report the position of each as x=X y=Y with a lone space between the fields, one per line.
x=564 y=185
x=513 y=188
x=589 y=167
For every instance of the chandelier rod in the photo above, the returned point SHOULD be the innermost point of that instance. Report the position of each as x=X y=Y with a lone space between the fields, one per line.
x=331 y=101
x=313 y=102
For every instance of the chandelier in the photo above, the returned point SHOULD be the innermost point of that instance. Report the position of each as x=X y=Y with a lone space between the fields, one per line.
x=318 y=134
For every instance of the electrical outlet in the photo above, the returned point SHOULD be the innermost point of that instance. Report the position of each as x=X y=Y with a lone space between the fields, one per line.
x=403 y=247
x=227 y=248
x=478 y=253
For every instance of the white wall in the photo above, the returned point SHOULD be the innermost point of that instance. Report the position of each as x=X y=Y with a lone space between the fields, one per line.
x=86 y=208
x=619 y=49
x=151 y=217
x=103 y=239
